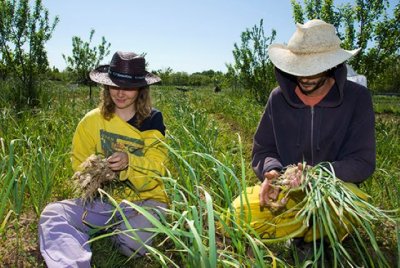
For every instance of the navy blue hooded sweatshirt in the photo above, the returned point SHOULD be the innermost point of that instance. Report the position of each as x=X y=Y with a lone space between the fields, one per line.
x=340 y=129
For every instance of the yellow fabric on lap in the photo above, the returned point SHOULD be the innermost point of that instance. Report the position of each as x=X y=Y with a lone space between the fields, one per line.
x=273 y=224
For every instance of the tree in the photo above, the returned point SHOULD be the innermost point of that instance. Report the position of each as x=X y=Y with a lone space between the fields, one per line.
x=384 y=57
x=165 y=75
x=24 y=29
x=180 y=79
x=204 y=78
x=85 y=58
x=252 y=68
x=364 y=25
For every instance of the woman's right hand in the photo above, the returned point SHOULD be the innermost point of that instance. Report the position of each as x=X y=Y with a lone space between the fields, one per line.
x=118 y=161
x=268 y=192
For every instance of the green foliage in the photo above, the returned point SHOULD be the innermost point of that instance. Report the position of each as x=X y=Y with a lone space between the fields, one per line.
x=298 y=13
x=386 y=104
x=330 y=205
x=3 y=69
x=388 y=157
x=165 y=75
x=252 y=69
x=85 y=58
x=180 y=79
x=209 y=166
x=197 y=79
x=55 y=75
x=315 y=10
x=24 y=30
x=384 y=57
x=206 y=78
x=367 y=25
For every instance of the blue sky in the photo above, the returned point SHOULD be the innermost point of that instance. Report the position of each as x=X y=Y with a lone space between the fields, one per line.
x=190 y=36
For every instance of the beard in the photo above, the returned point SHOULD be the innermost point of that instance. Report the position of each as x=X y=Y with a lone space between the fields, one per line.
x=315 y=86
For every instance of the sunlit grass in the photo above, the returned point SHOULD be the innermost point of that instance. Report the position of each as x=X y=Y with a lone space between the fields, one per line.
x=387 y=104
x=209 y=137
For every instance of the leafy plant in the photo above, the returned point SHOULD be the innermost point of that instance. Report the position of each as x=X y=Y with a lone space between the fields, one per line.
x=252 y=68
x=85 y=58
x=24 y=30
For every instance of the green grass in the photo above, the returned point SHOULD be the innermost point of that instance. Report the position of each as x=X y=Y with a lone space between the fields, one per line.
x=209 y=136
x=386 y=104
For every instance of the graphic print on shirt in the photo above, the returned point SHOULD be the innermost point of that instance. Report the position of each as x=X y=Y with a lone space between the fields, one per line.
x=112 y=142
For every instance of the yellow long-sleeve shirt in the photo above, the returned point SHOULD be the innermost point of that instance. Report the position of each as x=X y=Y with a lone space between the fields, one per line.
x=147 y=154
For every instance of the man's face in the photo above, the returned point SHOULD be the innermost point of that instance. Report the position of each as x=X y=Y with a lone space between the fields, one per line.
x=309 y=84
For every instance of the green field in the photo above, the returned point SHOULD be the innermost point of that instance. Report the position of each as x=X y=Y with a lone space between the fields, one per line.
x=209 y=136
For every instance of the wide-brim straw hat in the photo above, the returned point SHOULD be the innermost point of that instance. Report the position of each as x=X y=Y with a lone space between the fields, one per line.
x=126 y=70
x=312 y=49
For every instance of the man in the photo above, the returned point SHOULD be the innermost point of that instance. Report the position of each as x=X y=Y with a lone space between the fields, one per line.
x=314 y=115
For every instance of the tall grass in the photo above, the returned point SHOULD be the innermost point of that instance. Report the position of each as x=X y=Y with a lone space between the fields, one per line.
x=384 y=186
x=8 y=177
x=387 y=104
x=201 y=184
x=209 y=166
x=190 y=235
x=334 y=209
x=35 y=152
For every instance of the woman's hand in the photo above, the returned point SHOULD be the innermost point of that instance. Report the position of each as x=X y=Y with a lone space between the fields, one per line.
x=268 y=192
x=118 y=161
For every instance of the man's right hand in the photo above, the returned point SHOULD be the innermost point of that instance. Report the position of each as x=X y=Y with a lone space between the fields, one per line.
x=268 y=192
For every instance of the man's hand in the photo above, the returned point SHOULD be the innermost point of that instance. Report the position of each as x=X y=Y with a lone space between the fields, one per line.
x=118 y=161
x=268 y=192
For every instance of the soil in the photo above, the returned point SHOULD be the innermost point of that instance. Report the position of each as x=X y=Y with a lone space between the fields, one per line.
x=22 y=252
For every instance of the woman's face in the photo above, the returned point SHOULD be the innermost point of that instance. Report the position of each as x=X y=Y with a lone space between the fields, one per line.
x=124 y=98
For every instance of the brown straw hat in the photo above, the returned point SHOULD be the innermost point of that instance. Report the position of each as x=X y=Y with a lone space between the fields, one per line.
x=312 y=49
x=126 y=70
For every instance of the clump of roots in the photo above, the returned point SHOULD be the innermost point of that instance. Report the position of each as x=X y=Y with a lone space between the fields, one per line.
x=292 y=177
x=95 y=174
x=290 y=180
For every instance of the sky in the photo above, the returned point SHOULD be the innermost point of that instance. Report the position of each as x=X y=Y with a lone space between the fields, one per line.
x=185 y=35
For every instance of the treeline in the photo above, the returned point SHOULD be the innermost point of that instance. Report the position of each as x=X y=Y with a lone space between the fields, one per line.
x=168 y=77
x=204 y=78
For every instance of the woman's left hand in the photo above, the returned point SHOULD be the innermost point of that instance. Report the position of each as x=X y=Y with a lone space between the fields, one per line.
x=118 y=161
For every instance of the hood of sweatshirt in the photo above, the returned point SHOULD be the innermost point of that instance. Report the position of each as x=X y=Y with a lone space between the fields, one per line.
x=288 y=83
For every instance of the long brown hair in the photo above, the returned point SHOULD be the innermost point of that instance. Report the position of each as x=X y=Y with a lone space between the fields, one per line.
x=142 y=104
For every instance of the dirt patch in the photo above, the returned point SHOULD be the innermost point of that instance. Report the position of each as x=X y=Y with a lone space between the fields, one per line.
x=20 y=246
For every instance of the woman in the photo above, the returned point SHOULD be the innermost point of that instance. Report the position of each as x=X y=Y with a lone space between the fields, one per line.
x=127 y=131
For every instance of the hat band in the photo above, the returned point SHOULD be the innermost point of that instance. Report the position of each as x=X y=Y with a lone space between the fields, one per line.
x=125 y=76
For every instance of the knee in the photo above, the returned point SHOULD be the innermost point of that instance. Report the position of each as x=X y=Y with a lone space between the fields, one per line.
x=52 y=208
x=56 y=211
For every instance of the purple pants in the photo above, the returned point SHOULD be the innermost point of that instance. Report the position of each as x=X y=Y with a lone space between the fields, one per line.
x=63 y=230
